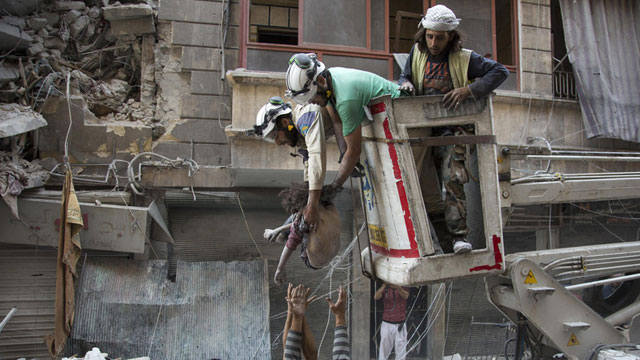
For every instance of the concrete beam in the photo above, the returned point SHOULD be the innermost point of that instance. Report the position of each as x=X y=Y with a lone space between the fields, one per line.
x=221 y=177
x=17 y=119
x=13 y=37
x=125 y=12
x=106 y=227
x=141 y=25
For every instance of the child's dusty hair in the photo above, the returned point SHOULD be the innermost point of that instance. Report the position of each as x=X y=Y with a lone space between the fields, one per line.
x=294 y=198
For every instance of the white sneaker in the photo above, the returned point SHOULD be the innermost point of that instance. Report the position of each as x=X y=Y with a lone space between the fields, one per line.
x=461 y=246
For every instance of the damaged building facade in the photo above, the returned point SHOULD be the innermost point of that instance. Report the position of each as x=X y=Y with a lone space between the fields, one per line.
x=149 y=103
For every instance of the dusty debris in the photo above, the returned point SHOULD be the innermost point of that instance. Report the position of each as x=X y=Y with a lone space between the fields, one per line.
x=96 y=354
x=102 y=48
x=17 y=119
x=16 y=176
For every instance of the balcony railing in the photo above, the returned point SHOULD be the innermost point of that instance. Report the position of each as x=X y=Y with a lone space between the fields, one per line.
x=564 y=85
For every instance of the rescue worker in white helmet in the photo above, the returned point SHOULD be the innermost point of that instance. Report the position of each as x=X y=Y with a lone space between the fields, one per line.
x=306 y=127
x=348 y=91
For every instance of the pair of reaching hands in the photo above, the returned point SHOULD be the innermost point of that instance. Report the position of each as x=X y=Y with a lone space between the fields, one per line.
x=298 y=299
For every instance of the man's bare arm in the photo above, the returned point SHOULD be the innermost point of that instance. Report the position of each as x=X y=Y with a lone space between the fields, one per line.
x=351 y=157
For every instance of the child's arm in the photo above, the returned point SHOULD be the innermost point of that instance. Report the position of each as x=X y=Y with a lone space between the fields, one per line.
x=280 y=277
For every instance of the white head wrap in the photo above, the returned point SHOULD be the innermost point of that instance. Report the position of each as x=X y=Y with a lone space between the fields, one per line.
x=439 y=18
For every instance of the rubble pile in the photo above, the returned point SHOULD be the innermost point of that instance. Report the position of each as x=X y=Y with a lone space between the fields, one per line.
x=97 y=42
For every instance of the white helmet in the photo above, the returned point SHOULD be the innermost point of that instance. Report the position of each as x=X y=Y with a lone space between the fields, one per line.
x=301 y=77
x=266 y=119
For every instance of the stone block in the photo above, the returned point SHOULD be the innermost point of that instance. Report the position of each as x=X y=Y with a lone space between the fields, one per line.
x=208 y=83
x=12 y=37
x=9 y=72
x=199 y=58
x=536 y=61
x=190 y=11
x=143 y=25
x=206 y=107
x=38 y=23
x=70 y=5
x=52 y=18
x=203 y=154
x=72 y=15
x=79 y=26
x=535 y=83
x=35 y=49
x=201 y=131
x=201 y=35
x=536 y=15
x=124 y=12
x=536 y=38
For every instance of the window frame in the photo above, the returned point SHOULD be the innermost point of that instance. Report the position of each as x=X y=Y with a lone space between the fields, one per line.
x=515 y=26
x=366 y=52
x=320 y=49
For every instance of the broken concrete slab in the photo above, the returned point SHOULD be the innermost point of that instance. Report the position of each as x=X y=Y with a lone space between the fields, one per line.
x=70 y=5
x=17 y=119
x=79 y=25
x=105 y=227
x=52 y=18
x=55 y=43
x=38 y=24
x=143 y=25
x=20 y=7
x=35 y=49
x=72 y=15
x=13 y=37
x=124 y=12
x=8 y=73
x=90 y=141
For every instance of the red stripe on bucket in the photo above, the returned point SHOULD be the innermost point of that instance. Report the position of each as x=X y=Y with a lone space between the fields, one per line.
x=402 y=194
x=497 y=257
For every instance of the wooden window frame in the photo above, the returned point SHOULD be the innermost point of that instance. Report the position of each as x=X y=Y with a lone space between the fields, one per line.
x=514 y=31
x=366 y=52
x=320 y=49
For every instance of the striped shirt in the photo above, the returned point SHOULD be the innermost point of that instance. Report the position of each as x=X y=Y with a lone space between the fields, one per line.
x=341 y=347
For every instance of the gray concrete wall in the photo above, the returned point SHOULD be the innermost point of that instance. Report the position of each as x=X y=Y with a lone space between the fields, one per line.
x=193 y=98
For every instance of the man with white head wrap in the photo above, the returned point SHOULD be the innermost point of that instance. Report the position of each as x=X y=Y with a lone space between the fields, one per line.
x=438 y=64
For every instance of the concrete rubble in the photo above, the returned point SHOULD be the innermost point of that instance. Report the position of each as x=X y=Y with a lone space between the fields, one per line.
x=101 y=47
x=17 y=119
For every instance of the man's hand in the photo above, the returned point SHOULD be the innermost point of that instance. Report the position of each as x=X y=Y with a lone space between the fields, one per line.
x=280 y=277
x=454 y=97
x=310 y=214
x=339 y=307
x=297 y=299
x=407 y=87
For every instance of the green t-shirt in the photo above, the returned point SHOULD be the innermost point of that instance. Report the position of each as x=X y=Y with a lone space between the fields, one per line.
x=353 y=89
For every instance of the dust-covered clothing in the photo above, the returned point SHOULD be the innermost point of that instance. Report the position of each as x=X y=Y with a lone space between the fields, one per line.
x=435 y=75
x=299 y=237
x=465 y=68
x=395 y=306
x=392 y=336
x=353 y=90
x=315 y=127
x=393 y=331
x=341 y=346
